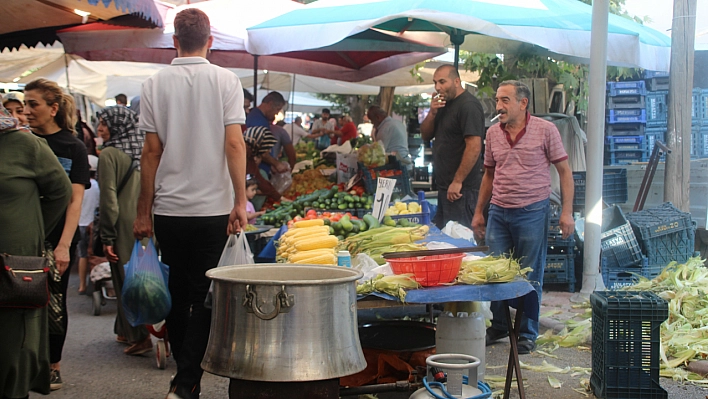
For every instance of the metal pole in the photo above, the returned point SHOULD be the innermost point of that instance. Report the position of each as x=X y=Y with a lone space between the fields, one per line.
x=255 y=80
x=66 y=65
x=596 y=126
x=292 y=110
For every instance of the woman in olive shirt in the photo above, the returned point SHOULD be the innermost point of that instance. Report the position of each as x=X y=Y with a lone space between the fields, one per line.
x=34 y=192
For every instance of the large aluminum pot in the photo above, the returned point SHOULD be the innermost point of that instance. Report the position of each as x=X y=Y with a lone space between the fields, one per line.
x=283 y=323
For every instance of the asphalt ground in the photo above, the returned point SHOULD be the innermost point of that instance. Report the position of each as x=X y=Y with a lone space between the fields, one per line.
x=94 y=366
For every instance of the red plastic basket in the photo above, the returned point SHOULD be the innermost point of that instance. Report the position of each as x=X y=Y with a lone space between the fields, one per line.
x=429 y=271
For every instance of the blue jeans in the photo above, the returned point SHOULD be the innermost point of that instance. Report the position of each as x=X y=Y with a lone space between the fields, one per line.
x=523 y=233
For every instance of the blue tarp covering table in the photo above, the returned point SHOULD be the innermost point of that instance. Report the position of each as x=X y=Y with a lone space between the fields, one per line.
x=461 y=293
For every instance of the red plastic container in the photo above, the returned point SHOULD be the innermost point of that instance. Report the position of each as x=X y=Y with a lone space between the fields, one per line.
x=429 y=271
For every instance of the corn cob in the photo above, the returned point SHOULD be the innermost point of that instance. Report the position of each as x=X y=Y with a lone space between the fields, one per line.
x=302 y=255
x=324 y=259
x=317 y=242
x=305 y=231
x=309 y=223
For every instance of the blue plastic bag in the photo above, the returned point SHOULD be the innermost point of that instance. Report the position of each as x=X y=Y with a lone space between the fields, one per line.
x=145 y=295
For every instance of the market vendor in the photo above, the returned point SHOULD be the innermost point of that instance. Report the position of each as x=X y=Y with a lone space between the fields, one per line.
x=320 y=128
x=456 y=122
x=264 y=115
x=259 y=141
x=391 y=133
x=518 y=154
x=347 y=132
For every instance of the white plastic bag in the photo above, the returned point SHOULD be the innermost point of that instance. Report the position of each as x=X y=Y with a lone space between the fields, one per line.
x=346 y=167
x=282 y=181
x=456 y=230
x=236 y=252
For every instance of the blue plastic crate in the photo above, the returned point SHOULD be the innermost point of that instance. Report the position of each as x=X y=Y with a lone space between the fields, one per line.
x=696 y=104
x=560 y=269
x=626 y=102
x=623 y=139
x=703 y=107
x=617 y=240
x=403 y=182
x=625 y=157
x=615 y=279
x=419 y=218
x=624 y=147
x=629 y=88
x=701 y=143
x=614 y=187
x=627 y=115
x=651 y=136
x=626 y=339
x=625 y=129
x=664 y=233
x=657 y=110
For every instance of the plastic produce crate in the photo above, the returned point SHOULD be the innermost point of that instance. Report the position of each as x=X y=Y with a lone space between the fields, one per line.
x=555 y=237
x=419 y=218
x=617 y=240
x=614 y=186
x=703 y=107
x=637 y=101
x=560 y=269
x=618 y=143
x=630 y=88
x=625 y=129
x=665 y=234
x=657 y=110
x=701 y=143
x=625 y=157
x=627 y=115
x=658 y=83
x=653 y=74
x=652 y=135
x=615 y=279
x=371 y=175
x=625 y=344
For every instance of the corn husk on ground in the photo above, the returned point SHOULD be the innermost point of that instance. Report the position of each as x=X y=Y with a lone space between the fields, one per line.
x=308 y=242
x=684 y=335
x=491 y=269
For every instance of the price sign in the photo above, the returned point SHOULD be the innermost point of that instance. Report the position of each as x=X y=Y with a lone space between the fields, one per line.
x=384 y=189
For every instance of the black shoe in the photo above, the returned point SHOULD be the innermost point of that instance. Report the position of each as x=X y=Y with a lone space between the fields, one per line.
x=494 y=335
x=178 y=392
x=55 y=381
x=525 y=346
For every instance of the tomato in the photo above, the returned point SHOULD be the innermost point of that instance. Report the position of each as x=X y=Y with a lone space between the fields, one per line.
x=297 y=218
x=311 y=212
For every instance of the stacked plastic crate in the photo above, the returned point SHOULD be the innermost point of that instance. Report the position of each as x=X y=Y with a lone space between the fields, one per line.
x=622 y=259
x=626 y=123
x=657 y=114
x=560 y=258
x=665 y=234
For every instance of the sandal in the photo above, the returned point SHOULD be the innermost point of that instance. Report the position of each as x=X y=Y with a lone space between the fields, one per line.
x=139 y=348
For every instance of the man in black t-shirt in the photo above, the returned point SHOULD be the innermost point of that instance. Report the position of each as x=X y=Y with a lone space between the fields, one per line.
x=456 y=122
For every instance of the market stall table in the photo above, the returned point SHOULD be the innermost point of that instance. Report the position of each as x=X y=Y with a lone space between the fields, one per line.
x=519 y=293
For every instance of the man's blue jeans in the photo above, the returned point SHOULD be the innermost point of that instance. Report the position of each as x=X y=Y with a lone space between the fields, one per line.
x=523 y=234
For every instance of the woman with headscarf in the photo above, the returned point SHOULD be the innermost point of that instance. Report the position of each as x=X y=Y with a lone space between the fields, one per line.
x=118 y=164
x=51 y=114
x=34 y=193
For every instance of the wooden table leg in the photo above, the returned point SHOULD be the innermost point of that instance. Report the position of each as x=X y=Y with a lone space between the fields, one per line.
x=514 y=364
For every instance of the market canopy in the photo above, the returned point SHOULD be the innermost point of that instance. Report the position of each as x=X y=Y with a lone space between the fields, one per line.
x=557 y=28
x=354 y=58
x=31 y=22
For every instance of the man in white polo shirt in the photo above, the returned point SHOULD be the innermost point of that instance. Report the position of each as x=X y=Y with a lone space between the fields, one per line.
x=194 y=149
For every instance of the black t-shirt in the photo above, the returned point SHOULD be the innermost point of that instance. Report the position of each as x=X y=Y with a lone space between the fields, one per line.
x=73 y=157
x=462 y=116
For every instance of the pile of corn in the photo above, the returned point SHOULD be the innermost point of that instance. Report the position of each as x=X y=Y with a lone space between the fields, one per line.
x=380 y=240
x=395 y=285
x=490 y=269
x=308 y=242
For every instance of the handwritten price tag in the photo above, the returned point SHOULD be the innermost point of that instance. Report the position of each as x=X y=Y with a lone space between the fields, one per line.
x=384 y=189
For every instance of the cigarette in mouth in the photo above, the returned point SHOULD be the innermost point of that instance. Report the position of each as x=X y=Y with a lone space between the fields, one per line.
x=495 y=118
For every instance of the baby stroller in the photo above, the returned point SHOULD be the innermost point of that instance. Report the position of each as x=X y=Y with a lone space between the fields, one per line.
x=162 y=346
x=102 y=286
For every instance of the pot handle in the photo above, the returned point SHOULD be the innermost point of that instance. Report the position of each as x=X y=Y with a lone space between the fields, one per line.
x=282 y=303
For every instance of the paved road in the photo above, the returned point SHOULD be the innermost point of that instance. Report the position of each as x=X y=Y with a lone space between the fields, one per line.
x=94 y=366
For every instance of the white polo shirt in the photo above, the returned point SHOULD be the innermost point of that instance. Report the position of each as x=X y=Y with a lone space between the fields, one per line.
x=188 y=105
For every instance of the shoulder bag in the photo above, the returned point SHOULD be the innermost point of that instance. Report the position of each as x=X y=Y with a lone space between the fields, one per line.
x=24 y=281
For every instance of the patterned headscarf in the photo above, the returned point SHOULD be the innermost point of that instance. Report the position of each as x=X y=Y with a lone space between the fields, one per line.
x=122 y=124
x=7 y=121
x=260 y=139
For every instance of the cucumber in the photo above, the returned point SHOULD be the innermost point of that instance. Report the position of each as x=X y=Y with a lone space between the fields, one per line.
x=346 y=224
x=371 y=221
